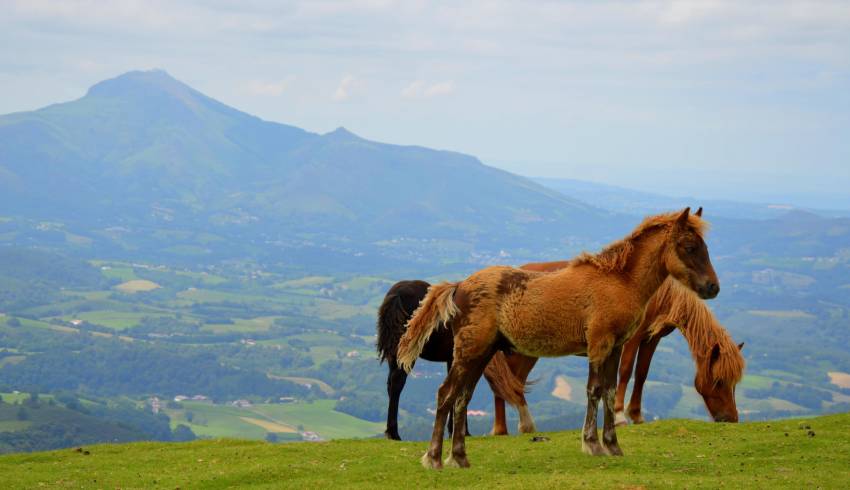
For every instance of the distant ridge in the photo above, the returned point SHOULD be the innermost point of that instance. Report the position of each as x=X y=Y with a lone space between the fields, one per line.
x=144 y=150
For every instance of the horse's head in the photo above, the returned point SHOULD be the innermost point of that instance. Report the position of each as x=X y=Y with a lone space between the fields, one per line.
x=687 y=258
x=718 y=392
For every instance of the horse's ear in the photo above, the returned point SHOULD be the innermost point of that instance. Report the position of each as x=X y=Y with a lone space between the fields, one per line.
x=715 y=354
x=682 y=220
x=699 y=212
x=741 y=346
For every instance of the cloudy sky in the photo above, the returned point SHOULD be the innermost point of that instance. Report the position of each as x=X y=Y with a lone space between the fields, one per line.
x=739 y=99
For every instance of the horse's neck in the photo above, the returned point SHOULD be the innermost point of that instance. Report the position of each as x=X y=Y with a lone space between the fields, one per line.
x=646 y=269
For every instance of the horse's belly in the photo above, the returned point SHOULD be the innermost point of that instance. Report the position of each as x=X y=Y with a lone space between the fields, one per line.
x=552 y=340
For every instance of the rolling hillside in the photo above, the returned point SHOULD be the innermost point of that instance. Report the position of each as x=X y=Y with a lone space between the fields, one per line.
x=804 y=453
x=144 y=152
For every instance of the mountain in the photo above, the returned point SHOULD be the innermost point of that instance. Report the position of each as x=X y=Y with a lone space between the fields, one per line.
x=629 y=201
x=146 y=154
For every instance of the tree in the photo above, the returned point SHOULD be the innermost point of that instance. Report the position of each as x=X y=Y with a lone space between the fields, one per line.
x=183 y=433
x=22 y=414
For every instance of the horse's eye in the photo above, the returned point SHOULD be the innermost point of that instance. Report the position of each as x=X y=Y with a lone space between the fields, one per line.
x=690 y=249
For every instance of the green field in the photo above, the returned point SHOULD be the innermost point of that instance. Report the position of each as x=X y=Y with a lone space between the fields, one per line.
x=210 y=420
x=805 y=453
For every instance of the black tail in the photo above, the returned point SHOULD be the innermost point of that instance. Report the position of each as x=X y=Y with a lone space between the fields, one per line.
x=392 y=318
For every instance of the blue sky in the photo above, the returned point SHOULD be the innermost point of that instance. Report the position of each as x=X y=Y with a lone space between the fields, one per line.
x=746 y=100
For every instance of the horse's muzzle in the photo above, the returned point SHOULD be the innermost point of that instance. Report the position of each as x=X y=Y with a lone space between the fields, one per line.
x=722 y=417
x=709 y=291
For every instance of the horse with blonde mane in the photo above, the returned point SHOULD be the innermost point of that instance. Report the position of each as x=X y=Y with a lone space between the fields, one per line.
x=719 y=363
x=591 y=307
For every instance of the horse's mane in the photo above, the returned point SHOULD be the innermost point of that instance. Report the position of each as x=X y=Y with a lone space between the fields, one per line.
x=694 y=319
x=615 y=256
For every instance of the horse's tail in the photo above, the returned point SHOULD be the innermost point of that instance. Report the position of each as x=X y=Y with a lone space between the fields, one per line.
x=504 y=383
x=437 y=308
x=391 y=319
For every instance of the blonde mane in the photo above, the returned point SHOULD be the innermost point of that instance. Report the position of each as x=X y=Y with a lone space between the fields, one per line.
x=615 y=256
x=684 y=309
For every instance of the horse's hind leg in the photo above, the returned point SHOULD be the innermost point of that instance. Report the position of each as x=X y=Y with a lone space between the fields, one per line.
x=609 y=380
x=471 y=374
x=446 y=396
x=590 y=436
x=395 y=383
x=451 y=424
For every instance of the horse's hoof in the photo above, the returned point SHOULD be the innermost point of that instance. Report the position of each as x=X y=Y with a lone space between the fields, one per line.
x=592 y=448
x=527 y=429
x=457 y=461
x=612 y=449
x=393 y=436
x=430 y=463
x=500 y=432
x=620 y=419
x=638 y=419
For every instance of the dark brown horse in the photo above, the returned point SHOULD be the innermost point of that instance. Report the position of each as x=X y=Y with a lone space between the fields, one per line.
x=719 y=364
x=398 y=306
x=590 y=307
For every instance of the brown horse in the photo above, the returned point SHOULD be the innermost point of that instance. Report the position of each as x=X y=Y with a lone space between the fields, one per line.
x=719 y=364
x=590 y=307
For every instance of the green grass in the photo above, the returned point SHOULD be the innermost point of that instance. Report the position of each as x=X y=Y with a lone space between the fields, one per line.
x=118 y=320
x=669 y=454
x=259 y=324
x=226 y=421
x=319 y=416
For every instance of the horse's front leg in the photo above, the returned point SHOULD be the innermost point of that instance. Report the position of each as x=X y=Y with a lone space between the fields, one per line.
x=521 y=366
x=590 y=436
x=609 y=381
x=627 y=364
x=500 y=426
x=644 y=359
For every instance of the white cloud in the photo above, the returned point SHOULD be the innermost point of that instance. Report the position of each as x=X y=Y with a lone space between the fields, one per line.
x=268 y=89
x=442 y=88
x=413 y=90
x=344 y=89
x=420 y=89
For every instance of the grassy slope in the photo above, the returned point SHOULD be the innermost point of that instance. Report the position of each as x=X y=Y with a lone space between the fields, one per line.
x=673 y=453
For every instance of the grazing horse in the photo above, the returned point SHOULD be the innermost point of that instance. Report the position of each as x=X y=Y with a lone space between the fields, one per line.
x=398 y=306
x=590 y=307
x=719 y=363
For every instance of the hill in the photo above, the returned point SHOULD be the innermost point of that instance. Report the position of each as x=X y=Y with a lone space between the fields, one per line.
x=144 y=162
x=674 y=453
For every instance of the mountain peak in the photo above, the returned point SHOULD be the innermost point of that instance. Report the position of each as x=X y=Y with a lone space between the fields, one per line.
x=141 y=82
x=341 y=133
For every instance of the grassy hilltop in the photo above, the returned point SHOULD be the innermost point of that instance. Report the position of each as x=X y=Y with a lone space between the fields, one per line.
x=798 y=453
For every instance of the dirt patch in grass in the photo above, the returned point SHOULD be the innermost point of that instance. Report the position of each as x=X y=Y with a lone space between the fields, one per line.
x=137 y=285
x=269 y=426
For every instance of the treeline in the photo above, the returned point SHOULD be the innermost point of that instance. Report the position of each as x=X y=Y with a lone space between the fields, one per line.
x=805 y=396
x=31 y=278
x=112 y=367
x=63 y=421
